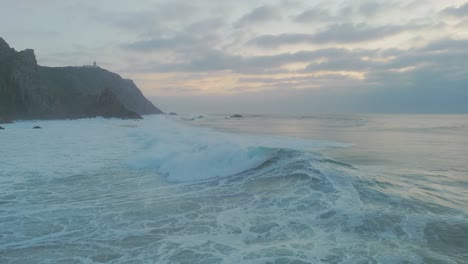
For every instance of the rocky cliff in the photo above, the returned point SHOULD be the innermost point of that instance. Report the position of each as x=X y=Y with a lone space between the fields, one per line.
x=30 y=91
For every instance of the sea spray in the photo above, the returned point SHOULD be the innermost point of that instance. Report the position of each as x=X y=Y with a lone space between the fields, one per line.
x=95 y=190
x=185 y=153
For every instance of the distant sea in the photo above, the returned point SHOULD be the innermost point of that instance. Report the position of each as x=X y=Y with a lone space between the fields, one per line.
x=256 y=189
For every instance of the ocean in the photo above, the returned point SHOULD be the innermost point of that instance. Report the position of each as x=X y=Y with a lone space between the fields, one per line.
x=257 y=189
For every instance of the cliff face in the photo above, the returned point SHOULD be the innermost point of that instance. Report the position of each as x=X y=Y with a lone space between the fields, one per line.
x=29 y=91
x=18 y=81
x=107 y=105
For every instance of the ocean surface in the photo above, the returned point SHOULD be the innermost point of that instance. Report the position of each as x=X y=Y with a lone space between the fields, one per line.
x=258 y=189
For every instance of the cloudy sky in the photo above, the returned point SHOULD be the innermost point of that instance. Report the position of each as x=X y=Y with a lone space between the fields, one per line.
x=275 y=56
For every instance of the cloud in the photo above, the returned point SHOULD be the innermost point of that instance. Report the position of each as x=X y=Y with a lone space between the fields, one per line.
x=337 y=33
x=461 y=11
x=447 y=44
x=431 y=78
x=331 y=46
x=445 y=59
x=36 y=34
x=259 y=15
x=217 y=60
x=160 y=43
x=346 y=11
x=198 y=35
x=370 y=8
x=351 y=63
x=177 y=43
x=424 y=90
x=146 y=18
x=178 y=89
x=313 y=15
x=300 y=82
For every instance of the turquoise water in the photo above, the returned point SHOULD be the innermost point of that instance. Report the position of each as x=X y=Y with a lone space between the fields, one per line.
x=261 y=189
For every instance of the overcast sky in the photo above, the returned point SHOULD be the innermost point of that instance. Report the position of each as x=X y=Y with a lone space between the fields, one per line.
x=276 y=56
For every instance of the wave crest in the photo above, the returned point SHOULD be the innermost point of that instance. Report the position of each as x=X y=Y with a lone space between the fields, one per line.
x=185 y=153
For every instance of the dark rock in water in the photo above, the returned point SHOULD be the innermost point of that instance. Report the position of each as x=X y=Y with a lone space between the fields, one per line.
x=30 y=91
x=1 y=128
x=37 y=127
x=172 y=114
x=236 y=116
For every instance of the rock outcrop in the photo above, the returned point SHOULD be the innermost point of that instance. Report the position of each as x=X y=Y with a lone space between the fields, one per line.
x=30 y=91
x=109 y=106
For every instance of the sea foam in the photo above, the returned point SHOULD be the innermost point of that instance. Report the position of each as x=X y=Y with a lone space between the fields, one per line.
x=186 y=153
x=91 y=191
x=178 y=151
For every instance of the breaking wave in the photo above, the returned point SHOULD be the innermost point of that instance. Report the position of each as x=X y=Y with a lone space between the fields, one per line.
x=157 y=191
x=184 y=153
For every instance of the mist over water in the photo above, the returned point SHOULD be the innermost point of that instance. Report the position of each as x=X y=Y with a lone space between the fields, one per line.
x=314 y=189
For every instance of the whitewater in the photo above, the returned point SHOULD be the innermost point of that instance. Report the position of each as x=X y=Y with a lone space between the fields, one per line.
x=260 y=189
